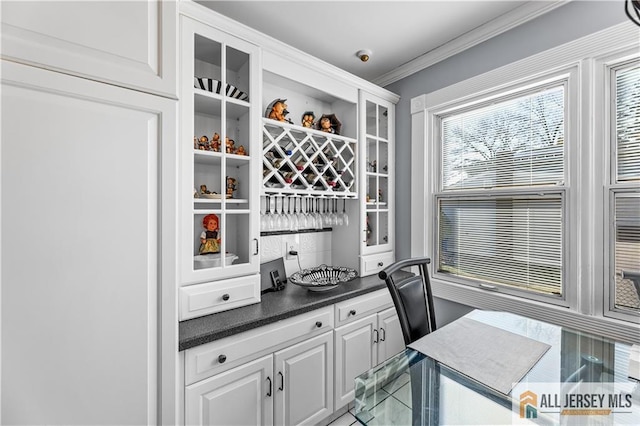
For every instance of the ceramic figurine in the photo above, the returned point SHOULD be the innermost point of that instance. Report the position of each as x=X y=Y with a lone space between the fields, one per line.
x=241 y=150
x=279 y=110
x=232 y=185
x=215 y=143
x=230 y=145
x=210 y=238
x=308 y=119
x=203 y=143
x=204 y=190
x=325 y=125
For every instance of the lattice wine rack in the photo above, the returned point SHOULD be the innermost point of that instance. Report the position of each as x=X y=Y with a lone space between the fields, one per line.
x=307 y=161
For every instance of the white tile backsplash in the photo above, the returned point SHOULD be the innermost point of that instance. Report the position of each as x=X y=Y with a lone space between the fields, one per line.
x=314 y=248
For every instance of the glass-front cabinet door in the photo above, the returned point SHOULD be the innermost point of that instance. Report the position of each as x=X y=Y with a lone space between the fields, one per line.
x=378 y=184
x=220 y=184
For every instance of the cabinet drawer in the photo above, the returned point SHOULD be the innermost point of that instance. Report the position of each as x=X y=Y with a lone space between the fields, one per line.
x=374 y=263
x=204 y=299
x=359 y=307
x=212 y=358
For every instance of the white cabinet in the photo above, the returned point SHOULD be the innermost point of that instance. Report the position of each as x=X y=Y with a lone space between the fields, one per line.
x=219 y=185
x=291 y=381
x=377 y=185
x=363 y=343
x=130 y=44
x=240 y=396
x=88 y=246
x=304 y=382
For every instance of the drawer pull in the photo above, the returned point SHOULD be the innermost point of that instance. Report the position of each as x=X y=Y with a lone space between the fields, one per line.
x=281 y=381
x=383 y=334
x=376 y=335
x=380 y=264
x=225 y=297
x=222 y=359
x=318 y=324
x=352 y=312
x=270 y=385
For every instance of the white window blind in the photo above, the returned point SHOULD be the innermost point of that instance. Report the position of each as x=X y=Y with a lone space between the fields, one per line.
x=627 y=82
x=518 y=142
x=626 y=205
x=506 y=236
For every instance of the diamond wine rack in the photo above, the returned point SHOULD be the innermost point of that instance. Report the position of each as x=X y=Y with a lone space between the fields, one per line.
x=301 y=160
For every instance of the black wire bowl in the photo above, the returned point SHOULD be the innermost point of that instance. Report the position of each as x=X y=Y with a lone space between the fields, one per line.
x=323 y=277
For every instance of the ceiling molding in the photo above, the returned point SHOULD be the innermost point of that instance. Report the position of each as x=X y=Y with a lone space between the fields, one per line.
x=509 y=20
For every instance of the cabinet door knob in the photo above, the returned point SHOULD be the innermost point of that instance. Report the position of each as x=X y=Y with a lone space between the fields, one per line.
x=318 y=324
x=225 y=297
x=270 y=386
x=383 y=334
x=376 y=336
x=281 y=381
x=352 y=312
x=222 y=359
x=380 y=264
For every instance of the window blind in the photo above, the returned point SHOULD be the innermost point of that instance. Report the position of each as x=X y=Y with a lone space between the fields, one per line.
x=627 y=101
x=504 y=237
x=518 y=142
x=507 y=240
x=626 y=247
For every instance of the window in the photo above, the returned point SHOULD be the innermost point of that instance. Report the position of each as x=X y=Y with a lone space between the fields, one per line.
x=500 y=204
x=525 y=185
x=624 y=196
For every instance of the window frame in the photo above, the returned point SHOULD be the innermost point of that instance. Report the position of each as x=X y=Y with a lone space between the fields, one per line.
x=604 y=77
x=564 y=77
x=586 y=189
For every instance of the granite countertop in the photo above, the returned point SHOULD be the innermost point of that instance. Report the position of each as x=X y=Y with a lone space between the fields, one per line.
x=275 y=306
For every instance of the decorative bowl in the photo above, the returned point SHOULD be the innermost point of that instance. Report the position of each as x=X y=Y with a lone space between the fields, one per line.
x=215 y=86
x=213 y=260
x=323 y=277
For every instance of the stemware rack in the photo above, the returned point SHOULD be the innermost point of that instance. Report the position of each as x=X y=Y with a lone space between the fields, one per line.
x=305 y=161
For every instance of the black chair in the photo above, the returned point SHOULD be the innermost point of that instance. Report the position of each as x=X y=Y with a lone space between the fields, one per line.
x=412 y=297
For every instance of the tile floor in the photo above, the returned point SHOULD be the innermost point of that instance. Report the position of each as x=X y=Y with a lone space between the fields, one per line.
x=393 y=406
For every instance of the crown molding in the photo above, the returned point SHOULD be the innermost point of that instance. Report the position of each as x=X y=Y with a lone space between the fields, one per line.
x=503 y=23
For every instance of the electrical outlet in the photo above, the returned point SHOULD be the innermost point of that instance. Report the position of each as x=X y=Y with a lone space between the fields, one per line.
x=291 y=247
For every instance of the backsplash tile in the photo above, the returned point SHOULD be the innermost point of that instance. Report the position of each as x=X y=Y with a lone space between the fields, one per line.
x=314 y=248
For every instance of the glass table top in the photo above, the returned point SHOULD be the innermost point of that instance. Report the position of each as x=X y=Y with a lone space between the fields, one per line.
x=413 y=389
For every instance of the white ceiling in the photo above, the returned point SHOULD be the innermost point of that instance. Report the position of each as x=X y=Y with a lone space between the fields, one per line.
x=403 y=36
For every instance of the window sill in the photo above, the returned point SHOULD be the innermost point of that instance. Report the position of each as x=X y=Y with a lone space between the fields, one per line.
x=490 y=300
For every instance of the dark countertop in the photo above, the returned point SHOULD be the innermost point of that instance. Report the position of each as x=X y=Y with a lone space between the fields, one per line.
x=275 y=306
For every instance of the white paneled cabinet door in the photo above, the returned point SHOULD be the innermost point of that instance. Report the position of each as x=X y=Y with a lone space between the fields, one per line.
x=84 y=264
x=390 y=341
x=304 y=381
x=355 y=354
x=242 y=396
x=128 y=43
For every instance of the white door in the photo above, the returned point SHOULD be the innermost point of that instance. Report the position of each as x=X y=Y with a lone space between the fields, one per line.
x=355 y=353
x=87 y=255
x=242 y=396
x=390 y=341
x=304 y=381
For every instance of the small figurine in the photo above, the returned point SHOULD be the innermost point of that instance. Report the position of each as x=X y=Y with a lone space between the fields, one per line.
x=210 y=238
x=230 y=145
x=203 y=143
x=368 y=229
x=241 y=150
x=308 y=119
x=325 y=125
x=232 y=185
x=279 y=111
x=215 y=143
x=374 y=166
x=204 y=190
x=380 y=195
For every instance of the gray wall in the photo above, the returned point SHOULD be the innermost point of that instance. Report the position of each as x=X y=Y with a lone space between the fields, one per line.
x=564 y=24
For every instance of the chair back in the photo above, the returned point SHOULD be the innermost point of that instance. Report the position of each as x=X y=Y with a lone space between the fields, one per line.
x=412 y=297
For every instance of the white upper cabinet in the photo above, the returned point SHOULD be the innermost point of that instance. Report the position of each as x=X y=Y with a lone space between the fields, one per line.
x=219 y=176
x=126 y=43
